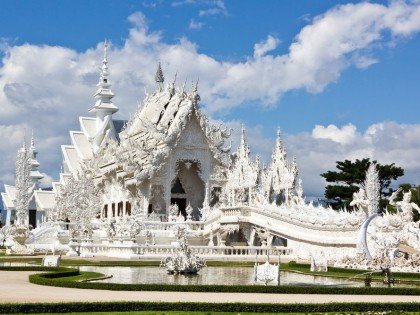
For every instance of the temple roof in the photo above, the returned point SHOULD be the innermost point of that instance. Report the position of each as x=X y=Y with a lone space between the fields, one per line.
x=45 y=200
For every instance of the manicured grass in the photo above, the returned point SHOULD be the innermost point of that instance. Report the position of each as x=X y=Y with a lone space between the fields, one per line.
x=85 y=275
x=181 y=313
x=230 y=313
x=149 y=308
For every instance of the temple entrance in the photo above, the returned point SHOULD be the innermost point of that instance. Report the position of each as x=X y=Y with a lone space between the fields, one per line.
x=188 y=188
x=32 y=218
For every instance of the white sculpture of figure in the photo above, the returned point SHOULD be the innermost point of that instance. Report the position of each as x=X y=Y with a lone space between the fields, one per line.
x=173 y=212
x=211 y=237
x=319 y=261
x=299 y=199
x=189 y=211
x=405 y=206
x=150 y=238
x=135 y=229
x=359 y=201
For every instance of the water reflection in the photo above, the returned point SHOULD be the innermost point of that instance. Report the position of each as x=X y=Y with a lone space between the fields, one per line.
x=209 y=275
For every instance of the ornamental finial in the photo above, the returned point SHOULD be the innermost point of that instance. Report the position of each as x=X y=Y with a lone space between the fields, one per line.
x=104 y=77
x=32 y=140
x=106 y=43
x=159 y=78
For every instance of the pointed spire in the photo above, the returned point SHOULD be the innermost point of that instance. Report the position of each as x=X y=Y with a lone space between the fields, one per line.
x=24 y=147
x=243 y=147
x=32 y=149
x=159 y=78
x=195 y=86
x=32 y=140
x=278 y=139
x=104 y=94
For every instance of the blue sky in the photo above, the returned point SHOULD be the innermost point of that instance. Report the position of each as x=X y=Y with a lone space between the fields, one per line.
x=388 y=90
x=371 y=101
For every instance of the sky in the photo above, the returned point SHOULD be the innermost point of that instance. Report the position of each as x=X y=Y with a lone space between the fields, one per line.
x=340 y=78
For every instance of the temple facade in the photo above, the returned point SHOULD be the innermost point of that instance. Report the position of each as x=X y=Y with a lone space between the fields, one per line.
x=127 y=186
x=167 y=161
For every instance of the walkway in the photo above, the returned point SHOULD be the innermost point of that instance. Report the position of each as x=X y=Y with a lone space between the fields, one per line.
x=15 y=288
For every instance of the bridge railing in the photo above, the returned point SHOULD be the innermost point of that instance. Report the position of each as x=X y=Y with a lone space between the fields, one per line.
x=160 y=251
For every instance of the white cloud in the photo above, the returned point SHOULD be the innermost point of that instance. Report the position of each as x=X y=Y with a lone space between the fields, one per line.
x=195 y=25
x=261 y=48
x=344 y=135
x=46 y=88
x=386 y=142
x=216 y=7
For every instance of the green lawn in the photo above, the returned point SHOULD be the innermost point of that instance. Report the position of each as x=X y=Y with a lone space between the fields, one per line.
x=226 y=313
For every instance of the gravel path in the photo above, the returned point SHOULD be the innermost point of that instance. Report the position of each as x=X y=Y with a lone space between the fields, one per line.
x=15 y=287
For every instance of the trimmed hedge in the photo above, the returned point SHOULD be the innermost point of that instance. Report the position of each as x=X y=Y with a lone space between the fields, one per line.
x=56 y=279
x=206 y=307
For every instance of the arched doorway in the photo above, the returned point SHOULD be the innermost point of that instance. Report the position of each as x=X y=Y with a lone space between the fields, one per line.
x=188 y=187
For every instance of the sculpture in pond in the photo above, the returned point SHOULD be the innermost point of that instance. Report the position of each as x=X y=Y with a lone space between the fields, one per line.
x=267 y=272
x=182 y=261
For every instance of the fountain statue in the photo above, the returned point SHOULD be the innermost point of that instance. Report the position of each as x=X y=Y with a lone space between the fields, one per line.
x=267 y=272
x=182 y=261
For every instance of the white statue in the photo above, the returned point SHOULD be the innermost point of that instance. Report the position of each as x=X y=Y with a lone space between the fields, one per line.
x=405 y=206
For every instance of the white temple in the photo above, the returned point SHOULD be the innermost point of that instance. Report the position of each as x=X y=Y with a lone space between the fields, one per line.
x=126 y=186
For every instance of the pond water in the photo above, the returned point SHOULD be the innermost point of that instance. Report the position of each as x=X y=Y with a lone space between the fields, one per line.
x=210 y=275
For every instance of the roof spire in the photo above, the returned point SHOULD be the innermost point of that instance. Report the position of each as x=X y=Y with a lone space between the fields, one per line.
x=104 y=78
x=243 y=147
x=104 y=94
x=159 y=78
x=32 y=140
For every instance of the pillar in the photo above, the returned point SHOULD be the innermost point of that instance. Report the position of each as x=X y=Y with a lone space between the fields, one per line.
x=146 y=199
x=8 y=216
x=206 y=202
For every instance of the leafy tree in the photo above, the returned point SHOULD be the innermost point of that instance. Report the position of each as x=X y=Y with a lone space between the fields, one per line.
x=351 y=176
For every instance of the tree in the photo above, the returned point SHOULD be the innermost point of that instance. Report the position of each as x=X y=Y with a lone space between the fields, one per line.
x=350 y=177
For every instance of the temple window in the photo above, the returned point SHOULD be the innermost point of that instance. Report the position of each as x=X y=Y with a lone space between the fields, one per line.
x=128 y=208
x=120 y=209
x=106 y=211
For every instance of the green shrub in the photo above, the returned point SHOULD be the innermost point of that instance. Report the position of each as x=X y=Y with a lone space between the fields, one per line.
x=206 y=307
x=58 y=279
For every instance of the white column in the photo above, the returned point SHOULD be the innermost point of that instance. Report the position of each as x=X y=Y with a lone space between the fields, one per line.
x=124 y=209
x=146 y=200
x=207 y=194
x=8 y=216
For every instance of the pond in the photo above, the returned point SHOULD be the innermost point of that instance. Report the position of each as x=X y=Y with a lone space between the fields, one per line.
x=209 y=276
